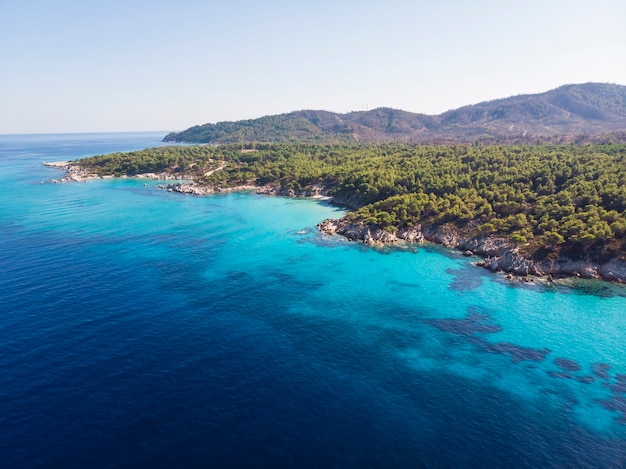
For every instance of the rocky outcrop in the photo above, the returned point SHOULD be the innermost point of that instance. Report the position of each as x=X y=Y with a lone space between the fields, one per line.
x=358 y=232
x=313 y=190
x=499 y=255
x=612 y=271
x=191 y=188
x=73 y=173
x=445 y=235
x=196 y=189
x=76 y=173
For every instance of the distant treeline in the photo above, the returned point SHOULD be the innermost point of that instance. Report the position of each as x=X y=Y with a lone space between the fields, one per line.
x=543 y=197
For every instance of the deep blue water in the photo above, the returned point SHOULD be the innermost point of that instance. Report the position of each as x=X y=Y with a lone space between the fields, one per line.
x=141 y=328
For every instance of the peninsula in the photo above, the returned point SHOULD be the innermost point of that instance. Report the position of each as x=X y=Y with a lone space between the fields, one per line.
x=546 y=210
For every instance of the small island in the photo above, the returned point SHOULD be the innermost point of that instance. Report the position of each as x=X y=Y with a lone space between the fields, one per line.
x=543 y=210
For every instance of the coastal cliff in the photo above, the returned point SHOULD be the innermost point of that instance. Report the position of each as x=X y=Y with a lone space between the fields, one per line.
x=499 y=254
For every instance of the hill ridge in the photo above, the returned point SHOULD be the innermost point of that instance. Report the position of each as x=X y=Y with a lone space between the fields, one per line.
x=565 y=114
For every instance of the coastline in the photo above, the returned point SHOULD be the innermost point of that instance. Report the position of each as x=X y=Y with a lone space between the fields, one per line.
x=498 y=254
x=191 y=188
x=76 y=173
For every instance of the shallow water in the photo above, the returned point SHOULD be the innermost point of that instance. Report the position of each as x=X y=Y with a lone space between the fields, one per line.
x=141 y=327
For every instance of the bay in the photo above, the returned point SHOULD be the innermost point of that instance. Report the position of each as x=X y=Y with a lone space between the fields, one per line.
x=140 y=327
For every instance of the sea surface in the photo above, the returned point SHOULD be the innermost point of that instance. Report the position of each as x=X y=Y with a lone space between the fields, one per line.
x=143 y=328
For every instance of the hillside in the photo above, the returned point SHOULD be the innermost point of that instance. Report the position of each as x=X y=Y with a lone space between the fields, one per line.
x=570 y=113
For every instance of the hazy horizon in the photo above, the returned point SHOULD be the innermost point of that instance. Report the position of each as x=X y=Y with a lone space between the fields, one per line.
x=72 y=67
x=165 y=131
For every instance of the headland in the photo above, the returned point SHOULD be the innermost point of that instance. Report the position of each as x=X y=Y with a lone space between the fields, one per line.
x=548 y=211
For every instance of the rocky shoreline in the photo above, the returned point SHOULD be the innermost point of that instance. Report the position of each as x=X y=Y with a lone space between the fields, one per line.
x=498 y=254
x=73 y=173
x=76 y=173
x=190 y=188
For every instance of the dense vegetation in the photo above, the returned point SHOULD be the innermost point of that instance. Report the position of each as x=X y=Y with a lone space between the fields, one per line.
x=301 y=126
x=543 y=197
x=191 y=160
x=569 y=114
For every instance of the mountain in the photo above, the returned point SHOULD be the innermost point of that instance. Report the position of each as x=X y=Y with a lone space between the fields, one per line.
x=570 y=113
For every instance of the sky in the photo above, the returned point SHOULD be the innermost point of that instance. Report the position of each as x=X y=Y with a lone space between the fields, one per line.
x=131 y=65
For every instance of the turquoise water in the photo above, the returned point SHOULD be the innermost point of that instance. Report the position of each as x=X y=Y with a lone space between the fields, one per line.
x=146 y=327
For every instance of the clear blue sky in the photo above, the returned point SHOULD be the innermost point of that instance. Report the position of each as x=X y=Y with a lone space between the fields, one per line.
x=79 y=66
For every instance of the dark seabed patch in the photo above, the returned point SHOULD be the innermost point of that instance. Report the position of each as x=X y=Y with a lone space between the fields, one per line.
x=567 y=364
x=465 y=279
x=239 y=277
x=476 y=323
x=518 y=353
x=579 y=286
x=473 y=323
x=619 y=387
x=395 y=285
x=567 y=369
x=617 y=404
x=276 y=276
x=585 y=379
x=601 y=370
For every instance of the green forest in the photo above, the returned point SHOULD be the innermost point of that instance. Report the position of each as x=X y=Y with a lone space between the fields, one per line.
x=541 y=197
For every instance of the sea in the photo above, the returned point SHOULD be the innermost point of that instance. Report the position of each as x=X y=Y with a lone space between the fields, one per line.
x=145 y=328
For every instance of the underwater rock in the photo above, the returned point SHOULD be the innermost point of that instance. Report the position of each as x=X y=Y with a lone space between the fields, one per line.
x=585 y=379
x=465 y=327
x=476 y=323
x=617 y=388
x=518 y=353
x=615 y=404
x=601 y=370
x=464 y=279
x=567 y=364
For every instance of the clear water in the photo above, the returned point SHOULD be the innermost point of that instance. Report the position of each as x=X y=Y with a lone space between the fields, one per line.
x=144 y=328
